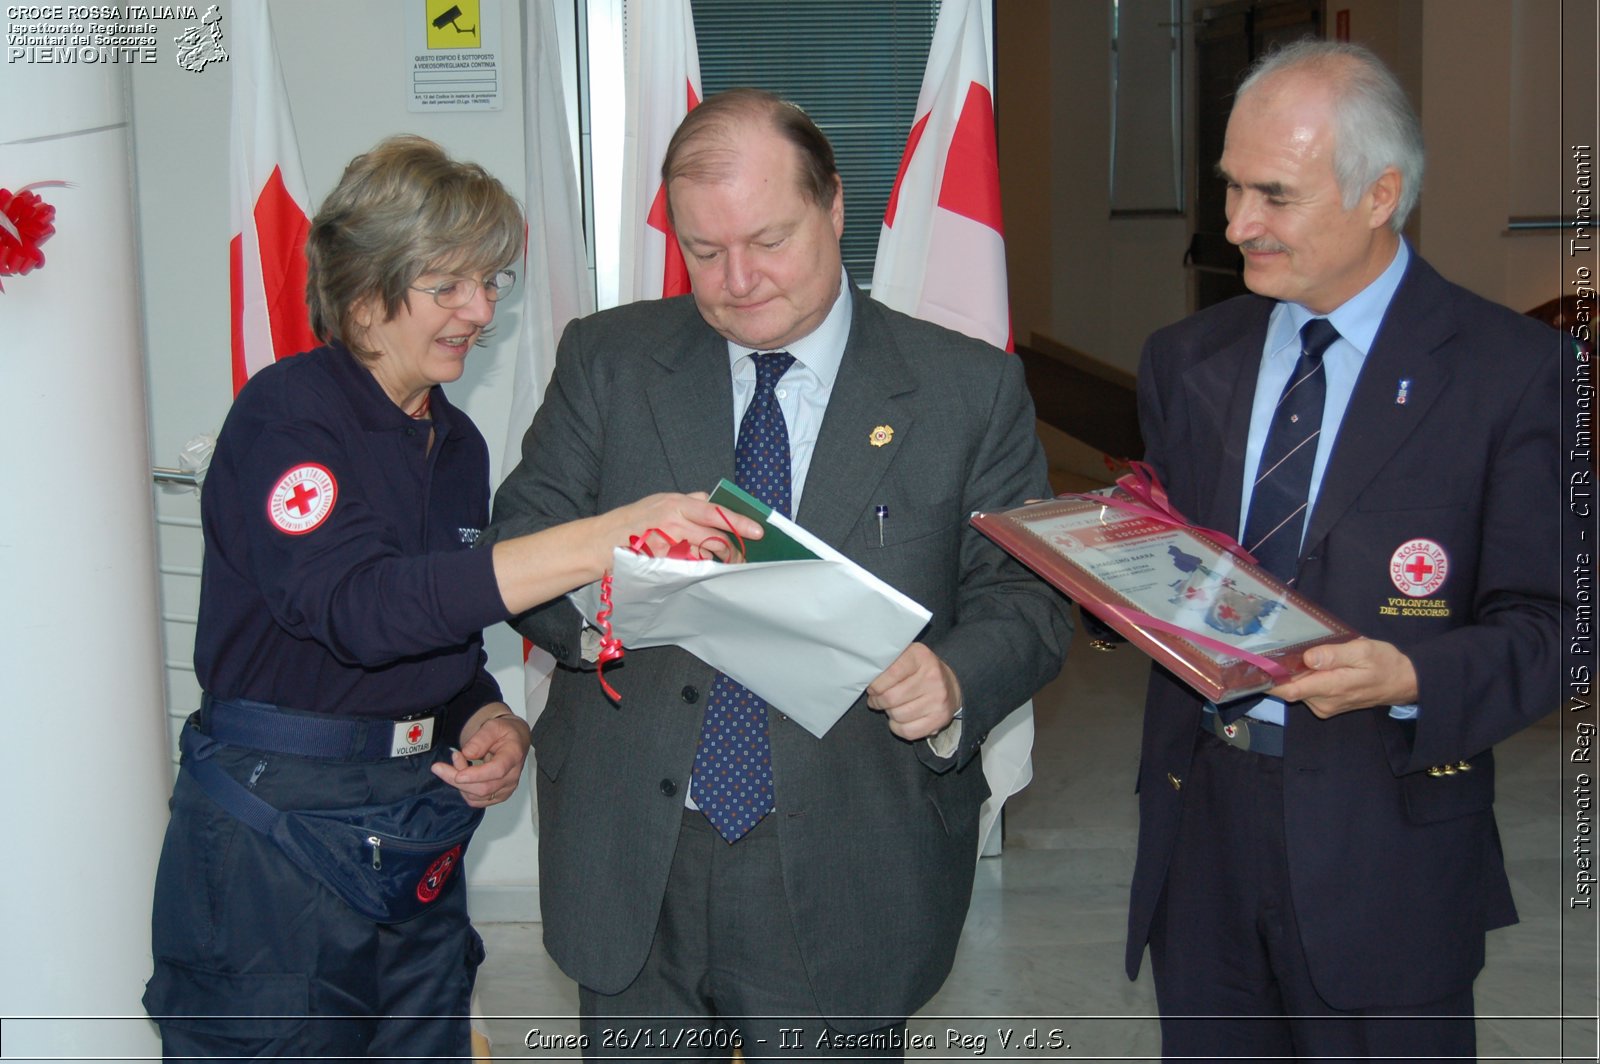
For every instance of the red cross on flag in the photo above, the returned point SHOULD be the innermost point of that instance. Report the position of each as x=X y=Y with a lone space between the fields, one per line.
x=942 y=253
x=942 y=258
x=663 y=86
x=267 y=262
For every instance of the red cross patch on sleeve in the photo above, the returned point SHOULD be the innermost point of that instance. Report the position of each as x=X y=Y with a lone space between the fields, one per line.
x=302 y=499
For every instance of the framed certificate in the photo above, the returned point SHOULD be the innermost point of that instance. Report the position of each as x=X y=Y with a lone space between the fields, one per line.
x=1225 y=627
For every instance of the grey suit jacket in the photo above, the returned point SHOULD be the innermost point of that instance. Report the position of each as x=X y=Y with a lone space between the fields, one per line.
x=878 y=835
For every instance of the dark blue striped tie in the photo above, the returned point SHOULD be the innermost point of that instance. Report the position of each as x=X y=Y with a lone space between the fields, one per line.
x=1276 y=523
x=733 y=765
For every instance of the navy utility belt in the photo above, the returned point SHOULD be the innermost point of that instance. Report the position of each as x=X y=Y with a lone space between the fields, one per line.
x=390 y=862
x=264 y=726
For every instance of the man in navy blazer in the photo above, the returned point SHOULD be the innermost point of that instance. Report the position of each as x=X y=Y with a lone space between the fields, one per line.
x=1330 y=861
x=837 y=915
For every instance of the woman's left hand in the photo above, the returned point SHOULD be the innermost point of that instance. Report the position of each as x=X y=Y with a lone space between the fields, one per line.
x=488 y=766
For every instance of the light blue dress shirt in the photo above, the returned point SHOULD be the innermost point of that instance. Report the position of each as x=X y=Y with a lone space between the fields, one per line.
x=804 y=389
x=802 y=393
x=1357 y=320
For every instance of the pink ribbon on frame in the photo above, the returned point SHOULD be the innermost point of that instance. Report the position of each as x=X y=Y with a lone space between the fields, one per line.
x=1150 y=501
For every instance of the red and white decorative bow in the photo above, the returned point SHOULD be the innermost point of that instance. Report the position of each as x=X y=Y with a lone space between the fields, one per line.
x=677 y=549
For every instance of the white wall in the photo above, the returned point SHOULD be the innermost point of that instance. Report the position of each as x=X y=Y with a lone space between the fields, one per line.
x=1499 y=83
x=1115 y=279
x=85 y=789
x=344 y=66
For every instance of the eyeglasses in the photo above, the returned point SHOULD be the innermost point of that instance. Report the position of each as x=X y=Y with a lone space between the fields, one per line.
x=457 y=292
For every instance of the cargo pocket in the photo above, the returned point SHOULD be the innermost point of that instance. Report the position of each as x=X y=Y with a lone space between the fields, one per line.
x=202 y=1012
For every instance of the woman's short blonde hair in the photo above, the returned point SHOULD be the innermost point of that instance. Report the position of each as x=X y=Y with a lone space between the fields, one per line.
x=402 y=210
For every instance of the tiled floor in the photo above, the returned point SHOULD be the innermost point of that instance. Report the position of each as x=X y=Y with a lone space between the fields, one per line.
x=1042 y=949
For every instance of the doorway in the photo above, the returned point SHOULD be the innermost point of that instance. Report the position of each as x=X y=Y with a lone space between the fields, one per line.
x=1227 y=39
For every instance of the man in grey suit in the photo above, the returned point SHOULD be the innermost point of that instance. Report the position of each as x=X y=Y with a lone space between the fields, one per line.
x=820 y=928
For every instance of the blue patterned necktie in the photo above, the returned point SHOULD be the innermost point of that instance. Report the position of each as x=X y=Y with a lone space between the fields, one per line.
x=733 y=765
x=1275 y=524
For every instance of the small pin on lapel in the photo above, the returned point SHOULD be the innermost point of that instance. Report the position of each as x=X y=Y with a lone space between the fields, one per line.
x=881 y=435
x=1403 y=391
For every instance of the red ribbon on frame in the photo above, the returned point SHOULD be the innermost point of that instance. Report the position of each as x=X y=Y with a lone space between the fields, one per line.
x=678 y=549
x=25 y=223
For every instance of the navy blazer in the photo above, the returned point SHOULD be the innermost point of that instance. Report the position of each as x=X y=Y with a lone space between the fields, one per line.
x=878 y=835
x=1395 y=873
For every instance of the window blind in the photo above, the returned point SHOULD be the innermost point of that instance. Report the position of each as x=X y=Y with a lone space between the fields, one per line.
x=855 y=66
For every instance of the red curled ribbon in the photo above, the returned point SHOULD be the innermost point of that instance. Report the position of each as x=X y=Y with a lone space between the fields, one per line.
x=610 y=645
x=678 y=549
x=1150 y=501
x=25 y=223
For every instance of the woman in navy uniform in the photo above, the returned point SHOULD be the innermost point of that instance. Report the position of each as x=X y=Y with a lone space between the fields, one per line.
x=339 y=640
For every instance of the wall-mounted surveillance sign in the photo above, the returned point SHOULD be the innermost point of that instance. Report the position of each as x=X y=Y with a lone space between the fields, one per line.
x=453 y=55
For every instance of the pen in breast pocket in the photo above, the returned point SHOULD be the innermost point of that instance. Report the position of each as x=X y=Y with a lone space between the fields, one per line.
x=881 y=512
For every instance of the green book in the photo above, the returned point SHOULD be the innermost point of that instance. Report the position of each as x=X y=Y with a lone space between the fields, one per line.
x=777 y=545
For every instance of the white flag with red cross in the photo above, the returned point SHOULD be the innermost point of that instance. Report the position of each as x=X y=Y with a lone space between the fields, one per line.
x=942 y=252
x=942 y=258
x=663 y=85
x=267 y=205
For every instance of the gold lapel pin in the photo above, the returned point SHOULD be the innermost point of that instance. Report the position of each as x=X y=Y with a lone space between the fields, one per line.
x=881 y=435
